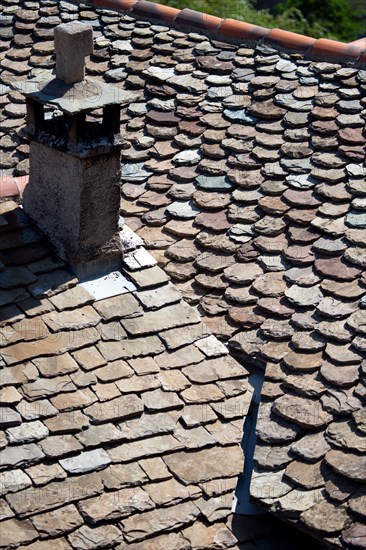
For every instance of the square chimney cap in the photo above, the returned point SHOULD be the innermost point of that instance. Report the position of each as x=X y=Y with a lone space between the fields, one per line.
x=72 y=99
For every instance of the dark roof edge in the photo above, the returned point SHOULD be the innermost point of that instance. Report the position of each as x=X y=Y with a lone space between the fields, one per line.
x=231 y=30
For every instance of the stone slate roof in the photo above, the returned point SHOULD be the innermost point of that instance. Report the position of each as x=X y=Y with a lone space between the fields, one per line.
x=245 y=177
x=111 y=407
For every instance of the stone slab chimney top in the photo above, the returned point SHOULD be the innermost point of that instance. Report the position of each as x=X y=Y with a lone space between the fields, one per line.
x=73 y=42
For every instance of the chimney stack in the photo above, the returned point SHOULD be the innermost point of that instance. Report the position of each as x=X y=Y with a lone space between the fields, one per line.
x=73 y=193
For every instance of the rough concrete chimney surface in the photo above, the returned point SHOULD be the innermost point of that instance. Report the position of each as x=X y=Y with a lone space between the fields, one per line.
x=73 y=42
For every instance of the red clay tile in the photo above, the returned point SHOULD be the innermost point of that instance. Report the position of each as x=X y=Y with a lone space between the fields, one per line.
x=240 y=30
x=198 y=20
x=290 y=40
x=120 y=5
x=360 y=42
x=21 y=182
x=331 y=48
x=8 y=187
x=147 y=9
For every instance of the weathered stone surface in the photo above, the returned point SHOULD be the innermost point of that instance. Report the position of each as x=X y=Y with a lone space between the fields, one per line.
x=272 y=429
x=311 y=447
x=269 y=484
x=215 y=536
x=335 y=268
x=239 y=275
x=26 y=432
x=124 y=305
x=246 y=317
x=357 y=322
x=57 y=522
x=360 y=419
x=72 y=298
x=276 y=306
x=331 y=307
x=128 y=349
x=48 y=386
x=270 y=284
x=117 y=476
x=15 y=532
x=357 y=502
x=305 y=412
x=166 y=318
x=57 y=365
x=49 y=284
x=342 y=434
x=57 y=494
x=296 y=501
x=183 y=464
x=277 y=329
x=21 y=455
x=305 y=297
x=306 y=384
x=86 y=538
x=116 y=504
x=308 y=341
x=348 y=464
x=340 y=401
x=23 y=351
x=156 y=521
x=9 y=417
x=121 y=408
x=306 y=475
x=215 y=508
x=86 y=462
x=303 y=362
x=158 y=400
x=355 y=535
x=343 y=354
x=325 y=518
x=13 y=480
x=183 y=251
x=144 y=448
x=342 y=376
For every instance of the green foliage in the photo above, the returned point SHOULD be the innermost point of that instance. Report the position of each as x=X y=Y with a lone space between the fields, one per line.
x=335 y=19
x=341 y=19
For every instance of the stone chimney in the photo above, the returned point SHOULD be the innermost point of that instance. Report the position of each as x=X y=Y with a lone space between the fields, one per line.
x=73 y=193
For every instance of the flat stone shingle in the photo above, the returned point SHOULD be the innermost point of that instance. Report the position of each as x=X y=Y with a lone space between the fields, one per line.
x=115 y=505
x=53 y=495
x=86 y=462
x=169 y=317
x=121 y=408
x=160 y=520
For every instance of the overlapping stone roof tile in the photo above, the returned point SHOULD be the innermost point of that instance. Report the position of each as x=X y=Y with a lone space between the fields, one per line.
x=245 y=178
x=114 y=427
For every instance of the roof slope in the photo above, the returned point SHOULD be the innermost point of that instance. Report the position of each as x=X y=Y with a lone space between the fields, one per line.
x=246 y=179
x=111 y=407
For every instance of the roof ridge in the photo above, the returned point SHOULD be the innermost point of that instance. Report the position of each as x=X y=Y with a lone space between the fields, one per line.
x=234 y=30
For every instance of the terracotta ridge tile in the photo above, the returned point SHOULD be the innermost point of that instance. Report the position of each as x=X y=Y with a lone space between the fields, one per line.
x=239 y=30
x=290 y=40
x=8 y=186
x=198 y=20
x=118 y=5
x=323 y=47
x=150 y=10
x=234 y=30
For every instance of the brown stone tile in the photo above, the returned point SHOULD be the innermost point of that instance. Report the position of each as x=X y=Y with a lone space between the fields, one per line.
x=14 y=531
x=55 y=494
x=57 y=522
